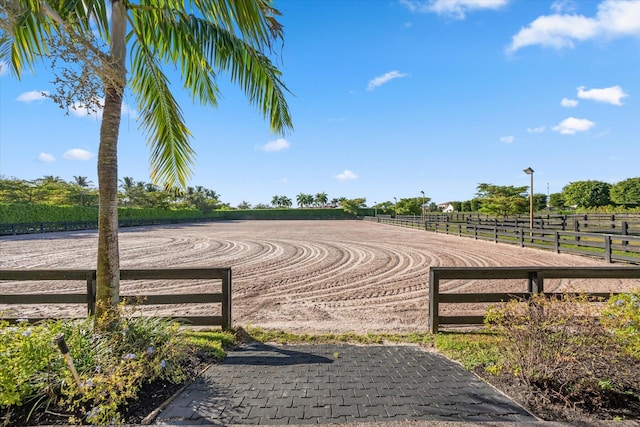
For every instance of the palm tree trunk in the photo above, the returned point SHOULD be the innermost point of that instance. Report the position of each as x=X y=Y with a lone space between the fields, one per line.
x=108 y=263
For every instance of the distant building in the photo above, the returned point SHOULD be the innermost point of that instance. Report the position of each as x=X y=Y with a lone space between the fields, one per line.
x=446 y=207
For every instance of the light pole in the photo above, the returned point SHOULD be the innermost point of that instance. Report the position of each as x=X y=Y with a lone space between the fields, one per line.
x=422 y=210
x=375 y=209
x=529 y=172
x=395 y=208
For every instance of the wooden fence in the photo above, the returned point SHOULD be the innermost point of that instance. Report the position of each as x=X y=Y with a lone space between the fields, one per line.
x=610 y=247
x=89 y=297
x=534 y=276
x=594 y=223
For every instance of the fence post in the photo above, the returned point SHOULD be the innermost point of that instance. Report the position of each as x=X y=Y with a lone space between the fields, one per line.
x=521 y=236
x=226 y=300
x=607 y=248
x=91 y=292
x=535 y=282
x=434 y=286
x=495 y=234
x=556 y=241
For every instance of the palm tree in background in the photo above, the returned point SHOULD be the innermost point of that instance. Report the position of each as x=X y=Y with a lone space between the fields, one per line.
x=81 y=181
x=198 y=38
x=321 y=199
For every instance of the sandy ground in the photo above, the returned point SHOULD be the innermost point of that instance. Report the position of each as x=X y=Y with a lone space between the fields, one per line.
x=311 y=276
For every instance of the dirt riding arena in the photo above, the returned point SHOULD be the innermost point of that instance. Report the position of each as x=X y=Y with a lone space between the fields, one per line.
x=312 y=276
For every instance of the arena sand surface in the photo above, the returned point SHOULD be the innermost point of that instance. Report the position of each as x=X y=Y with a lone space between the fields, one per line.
x=302 y=276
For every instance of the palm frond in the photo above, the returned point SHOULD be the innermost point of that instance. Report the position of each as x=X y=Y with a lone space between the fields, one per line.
x=161 y=119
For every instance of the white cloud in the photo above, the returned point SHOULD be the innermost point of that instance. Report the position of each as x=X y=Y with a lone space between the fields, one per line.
x=456 y=9
x=77 y=154
x=614 y=19
x=539 y=129
x=46 y=157
x=34 y=95
x=569 y=103
x=507 y=139
x=347 y=174
x=560 y=6
x=610 y=95
x=385 y=78
x=572 y=125
x=277 y=145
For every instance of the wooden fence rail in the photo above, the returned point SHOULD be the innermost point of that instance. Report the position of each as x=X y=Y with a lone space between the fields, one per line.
x=89 y=298
x=610 y=247
x=534 y=276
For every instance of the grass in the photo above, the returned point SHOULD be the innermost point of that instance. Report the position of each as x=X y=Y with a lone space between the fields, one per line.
x=471 y=349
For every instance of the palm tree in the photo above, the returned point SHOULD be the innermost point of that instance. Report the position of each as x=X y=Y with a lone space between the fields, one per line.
x=301 y=199
x=82 y=181
x=276 y=201
x=322 y=199
x=197 y=38
x=285 y=202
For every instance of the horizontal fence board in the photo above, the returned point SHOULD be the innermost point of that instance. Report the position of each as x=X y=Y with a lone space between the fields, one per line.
x=171 y=273
x=548 y=272
x=488 y=297
x=174 y=299
x=43 y=299
x=461 y=320
x=46 y=274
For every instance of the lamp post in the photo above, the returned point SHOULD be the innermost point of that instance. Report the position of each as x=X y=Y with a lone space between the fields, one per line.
x=529 y=172
x=375 y=209
x=422 y=210
x=395 y=207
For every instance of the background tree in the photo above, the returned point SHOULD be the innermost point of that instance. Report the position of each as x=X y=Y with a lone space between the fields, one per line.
x=410 y=206
x=244 y=205
x=586 y=194
x=556 y=200
x=626 y=193
x=321 y=199
x=539 y=201
x=502 y=200
x=385 y=208
x=196 y=38
x=304 y=200
x=352 y=205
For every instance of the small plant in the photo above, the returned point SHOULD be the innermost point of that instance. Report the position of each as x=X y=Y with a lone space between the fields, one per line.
x=622 y=317
x=112 y=366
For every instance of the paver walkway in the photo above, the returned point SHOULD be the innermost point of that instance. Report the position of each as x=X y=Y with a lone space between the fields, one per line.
x=320 y=384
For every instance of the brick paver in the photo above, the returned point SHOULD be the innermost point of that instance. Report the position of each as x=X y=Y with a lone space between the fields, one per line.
x=322 y=384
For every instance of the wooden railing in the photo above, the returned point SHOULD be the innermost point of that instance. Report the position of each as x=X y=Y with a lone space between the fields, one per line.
x=610 y=247
x=534 y=276
x=89 y=297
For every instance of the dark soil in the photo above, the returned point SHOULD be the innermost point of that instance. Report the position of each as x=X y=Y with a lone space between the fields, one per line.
x=549 y=404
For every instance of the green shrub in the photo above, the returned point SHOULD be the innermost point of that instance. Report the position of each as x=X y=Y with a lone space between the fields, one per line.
x=560 y=347
x=622 y=317
x=112 y=366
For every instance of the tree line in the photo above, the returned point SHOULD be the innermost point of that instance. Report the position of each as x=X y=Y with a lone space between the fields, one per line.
x=53 y=190
x=580 y=195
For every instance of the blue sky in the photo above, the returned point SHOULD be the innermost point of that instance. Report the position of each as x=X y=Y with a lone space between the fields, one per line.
x=390 y=98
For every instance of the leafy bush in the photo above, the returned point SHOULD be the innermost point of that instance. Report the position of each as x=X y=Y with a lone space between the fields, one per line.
x=622 y=317
x=559 y=346
x=112 y=366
